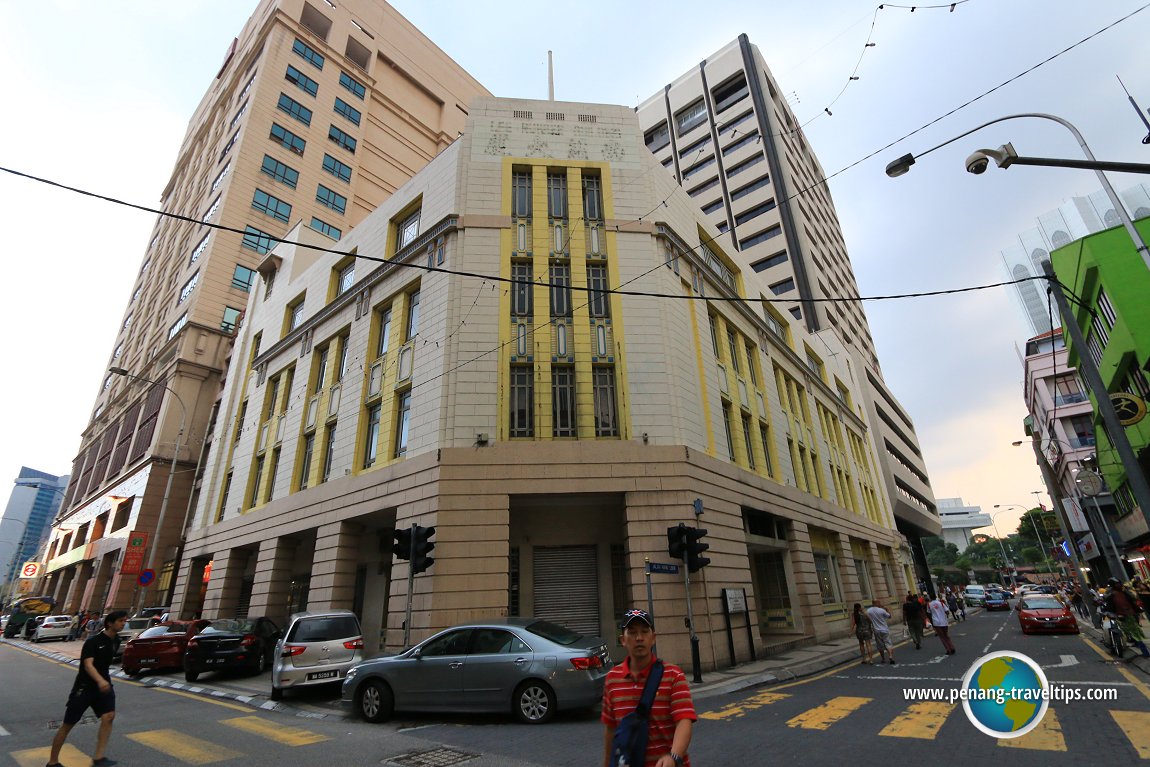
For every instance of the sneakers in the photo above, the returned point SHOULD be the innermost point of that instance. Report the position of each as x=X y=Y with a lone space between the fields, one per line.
x=103 y=761
x=892 y=661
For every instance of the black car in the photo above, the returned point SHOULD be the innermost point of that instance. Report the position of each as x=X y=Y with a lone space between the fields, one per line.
x=231 y=643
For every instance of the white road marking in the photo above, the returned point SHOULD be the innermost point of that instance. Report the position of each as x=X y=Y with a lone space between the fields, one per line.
x=986 y=649
x=4 y=732
x=1067 y=661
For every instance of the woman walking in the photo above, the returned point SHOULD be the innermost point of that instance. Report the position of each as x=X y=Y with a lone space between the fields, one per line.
x=863 y=631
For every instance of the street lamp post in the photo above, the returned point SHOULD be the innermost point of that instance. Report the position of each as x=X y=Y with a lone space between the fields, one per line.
x=1041 y=543
x=1004 y=157
x=1006 y=562
x=150 y=563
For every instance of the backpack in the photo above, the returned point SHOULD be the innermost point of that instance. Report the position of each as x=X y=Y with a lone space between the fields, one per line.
x=629 y=746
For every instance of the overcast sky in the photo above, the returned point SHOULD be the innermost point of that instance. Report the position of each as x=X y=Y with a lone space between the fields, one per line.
x=99 y=95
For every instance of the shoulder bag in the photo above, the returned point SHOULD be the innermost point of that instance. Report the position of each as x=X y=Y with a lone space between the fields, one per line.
x=629 y=746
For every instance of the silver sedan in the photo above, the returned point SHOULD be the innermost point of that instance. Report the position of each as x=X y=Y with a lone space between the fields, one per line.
x=529 y=667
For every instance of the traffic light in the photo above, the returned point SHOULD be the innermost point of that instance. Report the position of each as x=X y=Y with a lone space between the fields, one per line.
x=402 y=547
x=677 y=540
x=695 y=548
x=421 y=547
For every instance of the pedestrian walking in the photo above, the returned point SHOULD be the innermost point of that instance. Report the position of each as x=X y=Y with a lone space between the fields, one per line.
x=94 y=625
x=1079 y=603
x=863 y=631
x=93 y=689
x=878 y=618
x=952 y=605
x=671 y=714
x=941 y=626
x=912 y=614
x=74 y=627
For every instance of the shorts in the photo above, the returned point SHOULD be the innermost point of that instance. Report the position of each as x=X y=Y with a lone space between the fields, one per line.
x=882 y=641
x=84 y=698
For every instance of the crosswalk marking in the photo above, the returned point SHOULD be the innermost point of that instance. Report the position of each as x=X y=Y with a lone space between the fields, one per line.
x=38 y=757
x=184 y=747
x=1047 y=736
x=1136 y=725
x=921 y=720
x=732 y=710
x=822 y=717
x=288 y=736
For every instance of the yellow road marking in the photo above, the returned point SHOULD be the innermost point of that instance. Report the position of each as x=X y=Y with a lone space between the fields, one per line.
x=732 y=710
x=289 y=736
x=921 y=720
x=1138 y=684
x=38 y=757
x=1136 y=725
x=1047 y=736
x=822 y=717
x=184 y=747
x=203 y=699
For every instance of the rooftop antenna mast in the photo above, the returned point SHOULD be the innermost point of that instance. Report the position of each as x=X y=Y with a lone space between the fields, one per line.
x=1138 y=109
x=551 y=79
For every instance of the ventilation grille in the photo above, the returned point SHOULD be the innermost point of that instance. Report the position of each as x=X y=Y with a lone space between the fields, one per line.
x=587 y=118
x=556 y=116
x=522 y=114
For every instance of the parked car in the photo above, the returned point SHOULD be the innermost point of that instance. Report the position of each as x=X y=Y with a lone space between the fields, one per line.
x=996 y=600
x=152 y=612
x=1042 y=612
x=53 y=627
x=24 y=610
x=231 y=643
x=159 y=647
x=531 y=667
x=133 y=627
x=975 y=596
x=317 y=648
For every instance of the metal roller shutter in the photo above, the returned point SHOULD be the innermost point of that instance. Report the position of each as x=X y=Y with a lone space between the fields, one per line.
x=566 y=584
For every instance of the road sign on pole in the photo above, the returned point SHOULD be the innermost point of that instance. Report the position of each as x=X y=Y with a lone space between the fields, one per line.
x=30 y=570
x=146 y=577
x=662 y=567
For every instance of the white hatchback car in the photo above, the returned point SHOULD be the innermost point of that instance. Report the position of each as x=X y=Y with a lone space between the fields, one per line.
x=53 y=627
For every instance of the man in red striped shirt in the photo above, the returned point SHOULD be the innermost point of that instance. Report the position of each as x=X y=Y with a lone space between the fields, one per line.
x=672 y=713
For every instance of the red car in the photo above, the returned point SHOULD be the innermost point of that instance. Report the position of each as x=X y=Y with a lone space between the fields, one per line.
x=160 y=647
x=1042 y=612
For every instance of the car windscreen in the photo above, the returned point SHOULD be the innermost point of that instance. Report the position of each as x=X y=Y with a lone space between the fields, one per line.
x=1032 y=603
x=137 y=624
x=324 y=629
x=158 y=631
x=558 y=634
x=230 y=626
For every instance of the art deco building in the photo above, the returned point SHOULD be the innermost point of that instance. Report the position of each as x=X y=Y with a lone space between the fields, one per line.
x=318 y=113
x=537 y=347
x=725 y=133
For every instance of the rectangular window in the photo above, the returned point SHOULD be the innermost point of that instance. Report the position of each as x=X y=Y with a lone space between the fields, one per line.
x=345 y=279
x=189 y=286
x=330 y=199
x=521 y=194
x=407 y=231
x=355 y=87
x=243 y=278
x=763 y=236
x=735 y=170
x=521 y=288
x=412 y=316
x=294 y=108
x=751 y=365
x=564 y=423
x=235 y=120
x=714 y=334
x=280 y=172
x=257 y=480
x=212 y=210
x=247 y=88
x=275 y=467
x=228 y=146
x=782 y=287
x=323 y=227
x=754 y=212
x=657 y=138
x=371 y=440
x=592 y=199
x=597 y=282
x=302 y=81
x=402 y=418
x=733 y=350
x=200 y=248
x=177 y=326
x=690 y=117
x=287 y=139
x=341 y=138
x=342 y=345
x=764 y=440
x=730 y=93
x=321 y=369
x=747 y=442
x=260 y=242
x=295 y=315
x=825 y=573
x=345 y=109
x=766 y=263
x=727 y=431
x=384 y=332
x=300 y=48
x=328 y=453
x=522 y=401
x=557 y=195
x=336 y=168
x=752 y=137
x=606 y=417
x=560 y=279
x=743 y=191
x=231 y=319
x=305 y=460
x=273 y=206
x=220 y=178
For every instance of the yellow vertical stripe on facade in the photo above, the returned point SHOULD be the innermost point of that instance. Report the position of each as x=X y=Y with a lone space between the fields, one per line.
x=704 y=395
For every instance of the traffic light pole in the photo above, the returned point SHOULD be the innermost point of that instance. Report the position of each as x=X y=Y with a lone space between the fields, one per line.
x=410 y=586
x=696 y=675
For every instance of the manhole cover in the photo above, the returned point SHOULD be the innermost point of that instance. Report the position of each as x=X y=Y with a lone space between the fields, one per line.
x=436 y=757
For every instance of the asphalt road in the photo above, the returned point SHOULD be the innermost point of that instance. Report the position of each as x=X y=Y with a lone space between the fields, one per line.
x=852 y=715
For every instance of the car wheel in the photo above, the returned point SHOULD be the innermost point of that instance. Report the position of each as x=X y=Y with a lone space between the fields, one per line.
x=533 y=702
x=131 y=671
x=375 y=701
x=190 y=675
x=277 y=693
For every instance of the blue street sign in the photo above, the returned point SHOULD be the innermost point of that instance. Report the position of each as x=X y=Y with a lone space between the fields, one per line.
x=146 y=577
x=659 y=567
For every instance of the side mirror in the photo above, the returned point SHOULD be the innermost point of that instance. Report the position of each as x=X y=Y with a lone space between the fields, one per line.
x=417 y=653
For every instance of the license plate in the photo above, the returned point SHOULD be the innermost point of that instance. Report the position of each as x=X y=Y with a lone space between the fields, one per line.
x=322 y=675
x=216 y=661
x=147 y=660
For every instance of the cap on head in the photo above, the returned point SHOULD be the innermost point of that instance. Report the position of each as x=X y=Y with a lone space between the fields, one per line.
x=631 y=616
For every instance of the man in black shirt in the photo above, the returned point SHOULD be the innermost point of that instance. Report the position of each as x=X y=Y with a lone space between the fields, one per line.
x=914 y=616
x=93 y=689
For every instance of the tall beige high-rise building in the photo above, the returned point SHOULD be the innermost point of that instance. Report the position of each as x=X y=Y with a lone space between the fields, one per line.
x=727 y=135
x=320 y=110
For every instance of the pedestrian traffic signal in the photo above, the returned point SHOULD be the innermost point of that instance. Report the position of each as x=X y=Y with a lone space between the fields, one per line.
x=677 y=540
x=695 y=548
x=402 y=547
x=421 y=547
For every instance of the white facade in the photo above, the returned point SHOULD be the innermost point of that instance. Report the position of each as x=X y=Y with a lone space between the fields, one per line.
x=959 y=521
